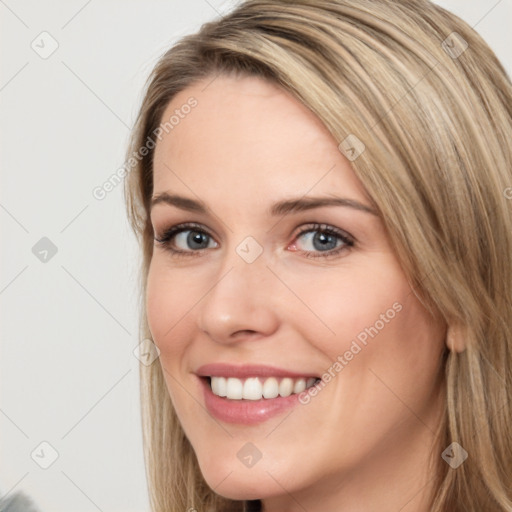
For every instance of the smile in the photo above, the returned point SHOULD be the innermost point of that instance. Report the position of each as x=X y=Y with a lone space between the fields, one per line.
x=249 y=394
x=257 y=388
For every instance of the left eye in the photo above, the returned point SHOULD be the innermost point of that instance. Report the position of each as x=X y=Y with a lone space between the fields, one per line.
x=186 y=239
x=190 y=240
x=322 y=239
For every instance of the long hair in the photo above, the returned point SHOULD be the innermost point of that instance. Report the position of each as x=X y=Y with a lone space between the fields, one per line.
x=423 y=110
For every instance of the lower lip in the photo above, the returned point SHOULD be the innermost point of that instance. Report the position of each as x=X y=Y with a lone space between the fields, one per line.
x=246 y=412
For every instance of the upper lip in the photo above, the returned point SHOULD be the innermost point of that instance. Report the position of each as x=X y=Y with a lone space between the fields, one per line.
x=247 y=370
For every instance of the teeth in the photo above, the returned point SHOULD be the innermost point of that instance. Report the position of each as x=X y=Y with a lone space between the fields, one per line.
x=234 y=388
x=219 y=386
x=270 y=388
x=300 y=385
x=254 y=388
x=286 y=387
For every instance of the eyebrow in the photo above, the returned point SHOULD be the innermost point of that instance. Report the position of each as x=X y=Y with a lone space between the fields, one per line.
x=280 y=208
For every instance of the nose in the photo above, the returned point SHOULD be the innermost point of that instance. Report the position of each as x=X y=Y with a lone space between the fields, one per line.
x=240 y=304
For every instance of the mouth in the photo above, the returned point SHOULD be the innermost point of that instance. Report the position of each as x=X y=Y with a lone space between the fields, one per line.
x=250 y=394
x=258 y=388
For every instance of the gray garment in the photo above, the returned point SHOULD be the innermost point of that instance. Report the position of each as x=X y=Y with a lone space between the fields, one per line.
x=17 y=502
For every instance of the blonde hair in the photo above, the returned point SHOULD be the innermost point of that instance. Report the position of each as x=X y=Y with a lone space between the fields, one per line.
x=435 y=117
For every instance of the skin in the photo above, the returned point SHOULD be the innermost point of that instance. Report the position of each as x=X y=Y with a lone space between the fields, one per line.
x=364 y=442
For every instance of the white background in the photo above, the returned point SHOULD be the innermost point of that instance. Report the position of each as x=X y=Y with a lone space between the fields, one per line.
x=69 y=325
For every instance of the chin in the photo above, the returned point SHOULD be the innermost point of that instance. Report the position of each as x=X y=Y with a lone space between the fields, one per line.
x=241 y=483
x=236 y=488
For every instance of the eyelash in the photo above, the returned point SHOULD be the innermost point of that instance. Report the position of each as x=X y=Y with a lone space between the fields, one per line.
x=348 y=241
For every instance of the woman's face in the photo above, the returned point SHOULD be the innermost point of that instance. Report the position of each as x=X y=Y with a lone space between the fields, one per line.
x=285 y=275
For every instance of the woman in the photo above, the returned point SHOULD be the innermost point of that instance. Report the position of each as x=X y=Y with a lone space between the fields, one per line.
x=320 y=191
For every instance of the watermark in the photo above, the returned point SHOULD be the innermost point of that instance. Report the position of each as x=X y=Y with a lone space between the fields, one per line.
x=454 y=45
x=44 y=455
x=508 y=193
x=352 y=147
x=101 y=191
x=146 y=352
x=249 y=249
x=249 y=455
x=355 y=348
x=44 y=45
x=44 y=250
x=454 y=455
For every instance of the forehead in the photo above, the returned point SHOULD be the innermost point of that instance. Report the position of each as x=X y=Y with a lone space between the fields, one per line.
x=249 y=133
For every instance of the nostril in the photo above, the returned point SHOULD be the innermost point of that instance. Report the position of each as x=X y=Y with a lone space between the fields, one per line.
x=243 y=333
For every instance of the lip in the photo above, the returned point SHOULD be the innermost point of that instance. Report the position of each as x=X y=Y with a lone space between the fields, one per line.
x=248 y=370
x=245 y=412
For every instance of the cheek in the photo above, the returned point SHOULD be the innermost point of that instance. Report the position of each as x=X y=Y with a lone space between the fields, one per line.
x=370 y=317
x=167 y=301
x=383 y=348
x=351 y=304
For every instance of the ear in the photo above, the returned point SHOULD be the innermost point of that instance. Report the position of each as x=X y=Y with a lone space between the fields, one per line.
x=455 y=339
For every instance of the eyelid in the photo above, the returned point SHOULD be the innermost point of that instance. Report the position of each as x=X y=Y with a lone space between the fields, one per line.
x=183 y=226
x=322 y=226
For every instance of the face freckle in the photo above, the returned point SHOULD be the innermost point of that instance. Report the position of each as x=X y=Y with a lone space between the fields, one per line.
x=253 y=288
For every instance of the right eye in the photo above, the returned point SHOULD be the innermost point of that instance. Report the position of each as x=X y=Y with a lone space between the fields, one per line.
x=186 y=239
